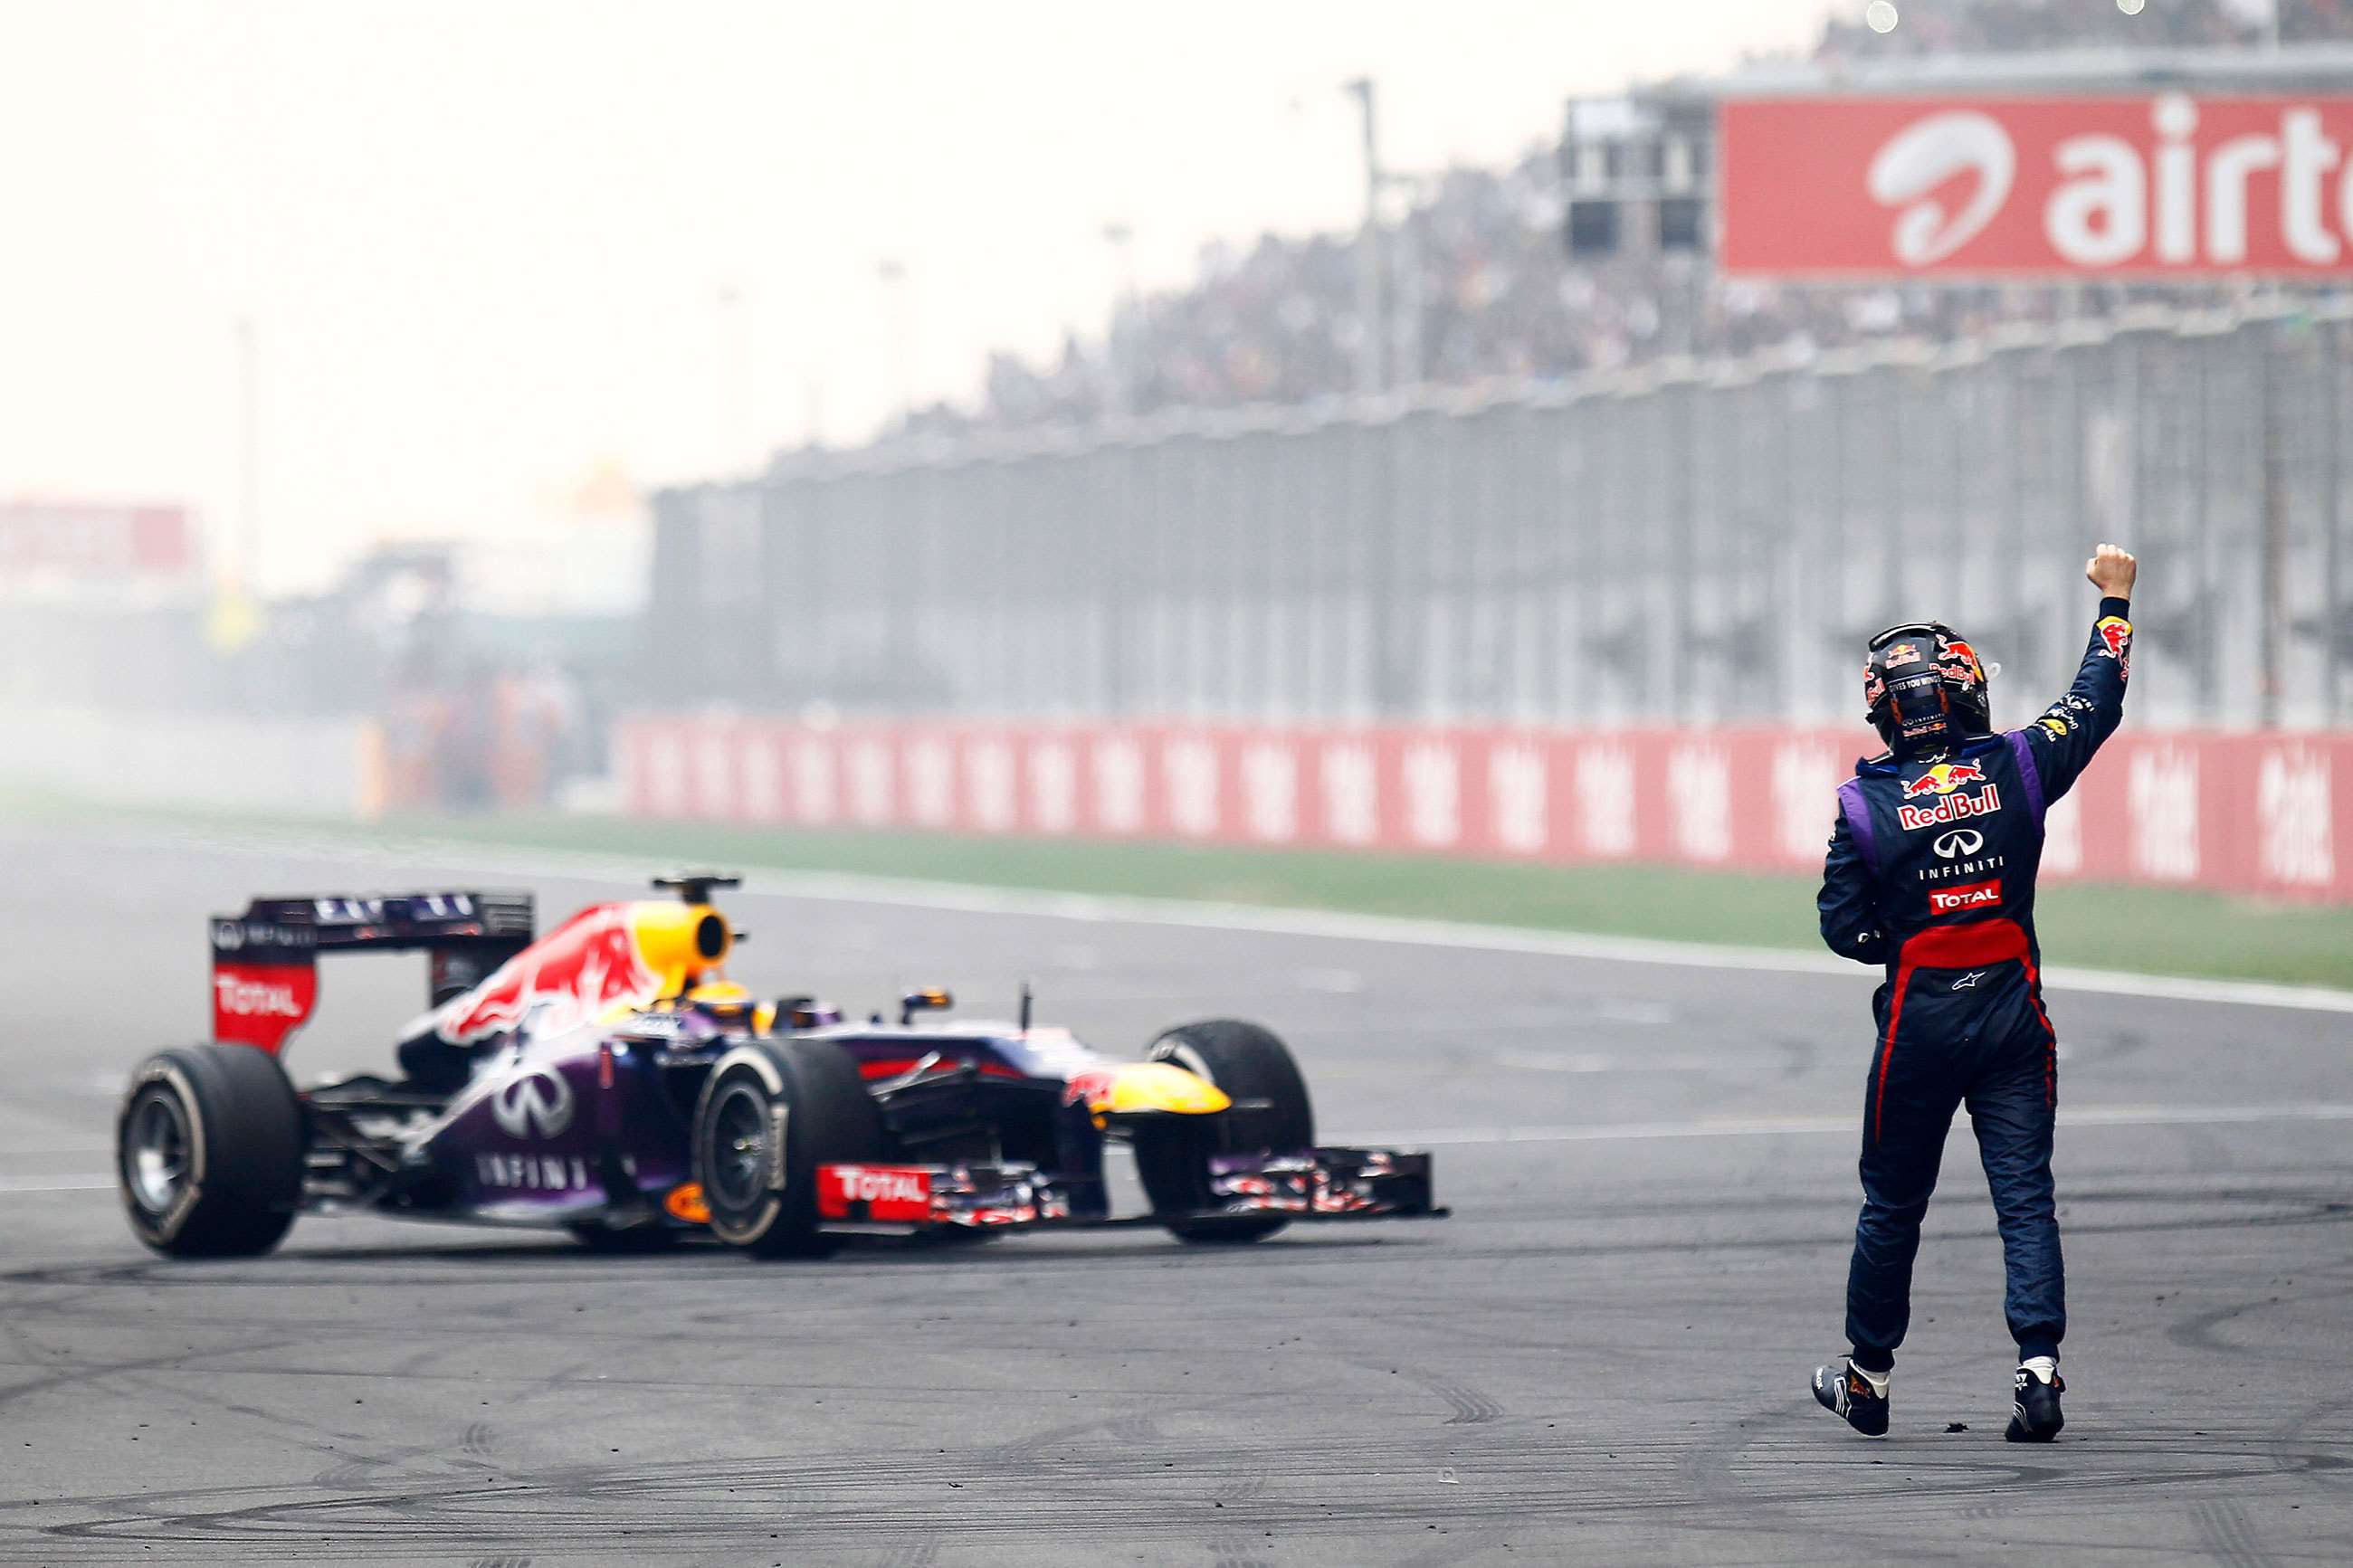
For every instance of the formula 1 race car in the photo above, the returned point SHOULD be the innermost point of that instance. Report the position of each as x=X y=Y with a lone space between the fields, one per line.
x=607 y=1080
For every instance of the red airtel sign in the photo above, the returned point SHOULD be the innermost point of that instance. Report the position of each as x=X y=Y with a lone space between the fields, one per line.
x=2168 y=184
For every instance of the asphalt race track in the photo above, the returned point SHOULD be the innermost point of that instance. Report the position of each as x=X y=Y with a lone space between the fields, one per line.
x=1601 y=1358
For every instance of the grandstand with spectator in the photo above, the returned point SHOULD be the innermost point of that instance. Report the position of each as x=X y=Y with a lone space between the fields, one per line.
x=1482 y=286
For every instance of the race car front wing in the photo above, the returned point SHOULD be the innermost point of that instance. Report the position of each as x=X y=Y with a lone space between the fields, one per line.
x=1308 y=1184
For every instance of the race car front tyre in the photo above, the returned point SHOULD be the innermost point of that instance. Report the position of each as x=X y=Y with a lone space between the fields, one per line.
x=1172 y=1157
x=772 y=1112
x=209 y=1148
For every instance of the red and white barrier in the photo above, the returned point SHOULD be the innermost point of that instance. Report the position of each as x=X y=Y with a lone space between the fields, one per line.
x=2259 y=814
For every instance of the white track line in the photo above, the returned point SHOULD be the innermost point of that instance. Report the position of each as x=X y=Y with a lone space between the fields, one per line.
x=1201 y=915
x=411 y=855
x=1749 y=1127
x=71 y=1184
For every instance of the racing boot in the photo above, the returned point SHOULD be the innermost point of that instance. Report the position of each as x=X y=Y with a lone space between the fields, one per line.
x=2035 y=1410
x=1848 y=1392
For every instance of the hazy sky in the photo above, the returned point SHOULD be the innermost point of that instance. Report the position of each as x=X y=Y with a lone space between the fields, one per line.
x=483 y=244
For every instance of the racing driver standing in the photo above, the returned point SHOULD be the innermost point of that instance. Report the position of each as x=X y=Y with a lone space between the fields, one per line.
x=1931 y=874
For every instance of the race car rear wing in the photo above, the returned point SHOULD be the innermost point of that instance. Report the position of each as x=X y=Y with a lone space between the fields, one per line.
x=265 y=961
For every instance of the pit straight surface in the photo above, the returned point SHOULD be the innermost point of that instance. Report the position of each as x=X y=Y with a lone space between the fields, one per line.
x=1601 y=1358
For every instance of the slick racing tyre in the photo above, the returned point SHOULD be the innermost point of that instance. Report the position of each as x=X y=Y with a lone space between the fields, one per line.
x=1172 y=1157
x=208 y=1150
x=772 y=1112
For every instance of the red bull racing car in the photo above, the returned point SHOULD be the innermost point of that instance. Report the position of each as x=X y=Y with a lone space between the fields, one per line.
x=609 y=1080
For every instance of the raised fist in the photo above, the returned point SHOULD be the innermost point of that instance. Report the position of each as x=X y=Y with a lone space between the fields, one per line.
x=2112 y=570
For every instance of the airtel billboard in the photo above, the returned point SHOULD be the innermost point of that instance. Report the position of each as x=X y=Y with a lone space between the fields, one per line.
x=2162 y=185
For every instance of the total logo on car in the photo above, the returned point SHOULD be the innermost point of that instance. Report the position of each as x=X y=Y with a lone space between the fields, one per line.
x=1944 y=783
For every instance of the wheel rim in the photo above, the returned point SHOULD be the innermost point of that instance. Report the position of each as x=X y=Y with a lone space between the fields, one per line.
x=155 y=1153
x=739 y=1146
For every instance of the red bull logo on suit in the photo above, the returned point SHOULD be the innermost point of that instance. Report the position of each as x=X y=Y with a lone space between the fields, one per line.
x=2115 y=637
x=1943 y=782
x=1943 y=779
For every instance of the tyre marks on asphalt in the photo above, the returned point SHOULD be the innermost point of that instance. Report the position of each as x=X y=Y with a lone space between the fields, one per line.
x=922 y=1553
x=2203 y=1331
x=2228 y=1536
x=1465 y=1406
x=1133 y=1431
x=1227 y=1536
x=64 y=1374
x=859 y=1502
x=1083 y=1400
x=1223 y=1471
x=1323 y=1489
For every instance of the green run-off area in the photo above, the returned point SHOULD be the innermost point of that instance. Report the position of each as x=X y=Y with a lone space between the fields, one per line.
x=2147 y=930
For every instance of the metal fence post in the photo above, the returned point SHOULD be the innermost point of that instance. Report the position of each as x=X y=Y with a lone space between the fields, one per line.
x=2337 y=615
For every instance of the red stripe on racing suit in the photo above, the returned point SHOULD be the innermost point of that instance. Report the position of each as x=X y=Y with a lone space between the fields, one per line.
x=1997 y=941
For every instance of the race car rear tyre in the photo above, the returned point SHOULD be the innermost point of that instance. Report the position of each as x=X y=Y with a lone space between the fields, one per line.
x=208 y=1150
x=1172 y=1158
x=772 y=1112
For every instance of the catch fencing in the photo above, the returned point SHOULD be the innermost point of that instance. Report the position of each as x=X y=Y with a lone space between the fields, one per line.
x=1684 y=542
x=1619 y=618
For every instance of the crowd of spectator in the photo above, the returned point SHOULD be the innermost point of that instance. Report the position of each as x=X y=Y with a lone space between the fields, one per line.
x=1481 y=285
x=2003 y=26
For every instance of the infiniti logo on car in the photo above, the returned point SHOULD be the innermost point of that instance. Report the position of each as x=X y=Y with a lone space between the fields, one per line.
x=539 y=1102
x=1960 y=843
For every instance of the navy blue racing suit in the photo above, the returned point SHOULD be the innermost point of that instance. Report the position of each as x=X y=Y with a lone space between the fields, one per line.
x=1931 y=873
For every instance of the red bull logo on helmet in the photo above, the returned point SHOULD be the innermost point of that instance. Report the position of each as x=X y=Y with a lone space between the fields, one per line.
x=1943 y=783
x=577 y=974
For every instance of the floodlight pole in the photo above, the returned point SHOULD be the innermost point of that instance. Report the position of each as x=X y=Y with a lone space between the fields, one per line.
x=893 y=275
x=1126 y=346
x=727 y=406
x=1371 y=378
x=246 y=557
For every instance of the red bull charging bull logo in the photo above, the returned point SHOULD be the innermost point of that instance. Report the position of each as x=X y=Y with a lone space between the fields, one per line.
x=1943 y=779
x=577 y=974
x=2115 y=640
x=1943 y=784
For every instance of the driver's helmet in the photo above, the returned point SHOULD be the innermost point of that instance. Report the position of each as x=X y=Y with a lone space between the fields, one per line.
x=1925 y=688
